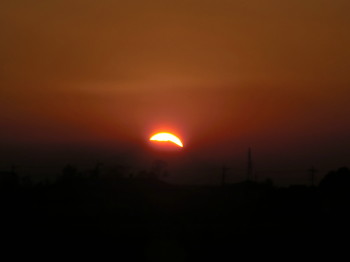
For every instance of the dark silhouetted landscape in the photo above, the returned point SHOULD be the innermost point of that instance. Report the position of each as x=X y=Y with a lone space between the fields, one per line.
x=174 y=130
x=140 y=217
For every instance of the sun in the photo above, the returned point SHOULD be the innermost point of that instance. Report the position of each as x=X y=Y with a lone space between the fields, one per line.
x=167 y=137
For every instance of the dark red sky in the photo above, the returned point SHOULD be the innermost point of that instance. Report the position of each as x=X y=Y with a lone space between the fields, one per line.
x=222 y=74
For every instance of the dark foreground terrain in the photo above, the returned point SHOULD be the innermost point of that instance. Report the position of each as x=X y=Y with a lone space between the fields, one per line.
x=129 y=219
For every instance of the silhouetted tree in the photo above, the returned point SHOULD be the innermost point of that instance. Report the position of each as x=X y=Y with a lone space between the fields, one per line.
x=118 y=171
x=158 y=169
x=27 y=181
x=95 y=172
x=268 y=182
x=336 y=180
x=69 y=173
x=9 y=179
x=335 y=187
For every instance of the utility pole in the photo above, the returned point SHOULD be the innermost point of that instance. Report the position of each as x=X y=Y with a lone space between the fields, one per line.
x=312 y=172
x=250 y=165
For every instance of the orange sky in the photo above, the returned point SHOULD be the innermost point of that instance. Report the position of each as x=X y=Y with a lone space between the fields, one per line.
x=223 y=74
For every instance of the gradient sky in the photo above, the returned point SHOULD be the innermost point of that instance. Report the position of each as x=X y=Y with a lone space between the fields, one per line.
x=222 y=74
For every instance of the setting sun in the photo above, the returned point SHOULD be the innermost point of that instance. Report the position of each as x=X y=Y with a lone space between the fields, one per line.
x=166 y=137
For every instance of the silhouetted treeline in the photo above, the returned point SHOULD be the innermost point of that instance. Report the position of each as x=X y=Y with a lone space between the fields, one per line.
x=146 y=218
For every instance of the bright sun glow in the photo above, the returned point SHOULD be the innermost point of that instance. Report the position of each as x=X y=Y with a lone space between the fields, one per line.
x=166 y=137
